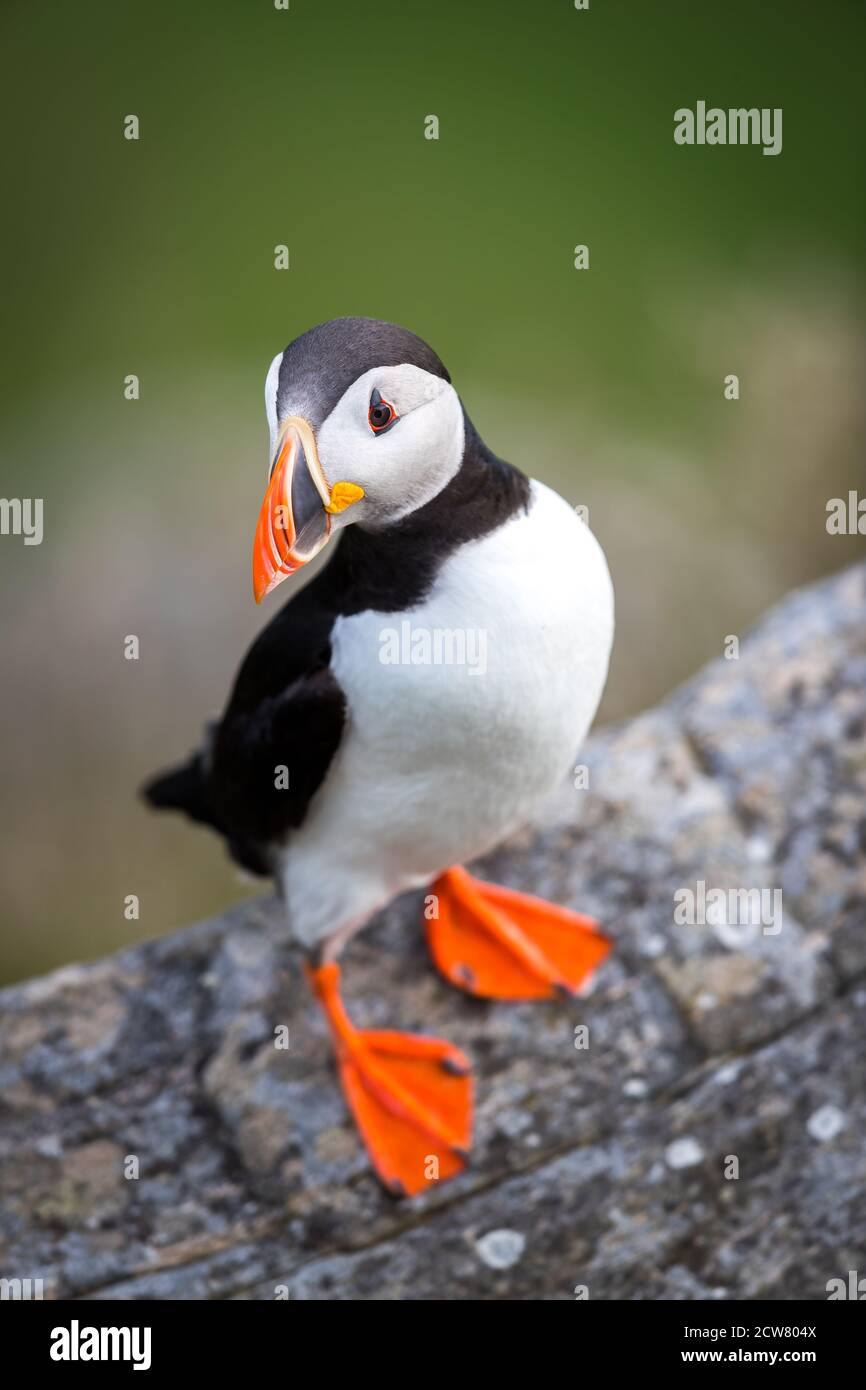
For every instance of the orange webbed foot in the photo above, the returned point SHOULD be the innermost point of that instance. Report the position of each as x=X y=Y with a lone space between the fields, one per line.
x=500 y=944
x=411 y=1096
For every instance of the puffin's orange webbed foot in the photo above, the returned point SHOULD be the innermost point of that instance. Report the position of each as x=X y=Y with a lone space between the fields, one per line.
x=500 y=944
x=411 y=1096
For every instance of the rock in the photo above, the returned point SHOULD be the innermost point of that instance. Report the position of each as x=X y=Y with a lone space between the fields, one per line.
x=707 y=1143
x=826 y=1123
x=684 y=1153
x=501 y=1249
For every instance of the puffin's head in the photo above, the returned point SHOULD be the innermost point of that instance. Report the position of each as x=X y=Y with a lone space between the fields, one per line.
x=365 y=427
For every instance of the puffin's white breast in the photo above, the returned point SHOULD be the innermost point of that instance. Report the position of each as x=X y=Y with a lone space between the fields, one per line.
x=462 y=713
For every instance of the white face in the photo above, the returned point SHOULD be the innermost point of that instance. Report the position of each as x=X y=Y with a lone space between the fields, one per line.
x=399 y=467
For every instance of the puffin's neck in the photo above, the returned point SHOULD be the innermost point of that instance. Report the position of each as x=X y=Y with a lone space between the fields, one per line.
x=394 y=568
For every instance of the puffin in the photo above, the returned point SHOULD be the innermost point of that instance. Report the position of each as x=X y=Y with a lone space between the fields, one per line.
x=406 y=710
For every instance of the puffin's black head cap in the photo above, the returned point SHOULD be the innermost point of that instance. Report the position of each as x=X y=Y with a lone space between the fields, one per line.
x=320 y=365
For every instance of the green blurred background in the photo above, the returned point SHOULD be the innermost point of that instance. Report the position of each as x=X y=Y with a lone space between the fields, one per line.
x=260 y=127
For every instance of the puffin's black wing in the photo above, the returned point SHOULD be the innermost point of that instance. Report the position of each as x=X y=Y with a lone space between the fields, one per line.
x=262 y=763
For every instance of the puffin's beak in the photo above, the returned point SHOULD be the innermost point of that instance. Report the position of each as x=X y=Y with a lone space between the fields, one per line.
x=295 y=520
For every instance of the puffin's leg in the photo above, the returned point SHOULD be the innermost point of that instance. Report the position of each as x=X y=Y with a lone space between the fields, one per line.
x=411 y=1096
x=499 y=944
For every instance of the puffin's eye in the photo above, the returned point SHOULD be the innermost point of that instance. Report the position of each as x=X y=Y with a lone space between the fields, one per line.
x=381 y=414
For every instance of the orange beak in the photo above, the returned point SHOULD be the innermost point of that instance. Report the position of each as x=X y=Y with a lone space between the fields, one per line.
x=293 y=523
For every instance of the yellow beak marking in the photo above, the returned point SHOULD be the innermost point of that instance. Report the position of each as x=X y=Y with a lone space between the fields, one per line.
x=342 y=496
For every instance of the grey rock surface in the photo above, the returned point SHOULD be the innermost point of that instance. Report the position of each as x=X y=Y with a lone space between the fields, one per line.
x=606 y=1170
